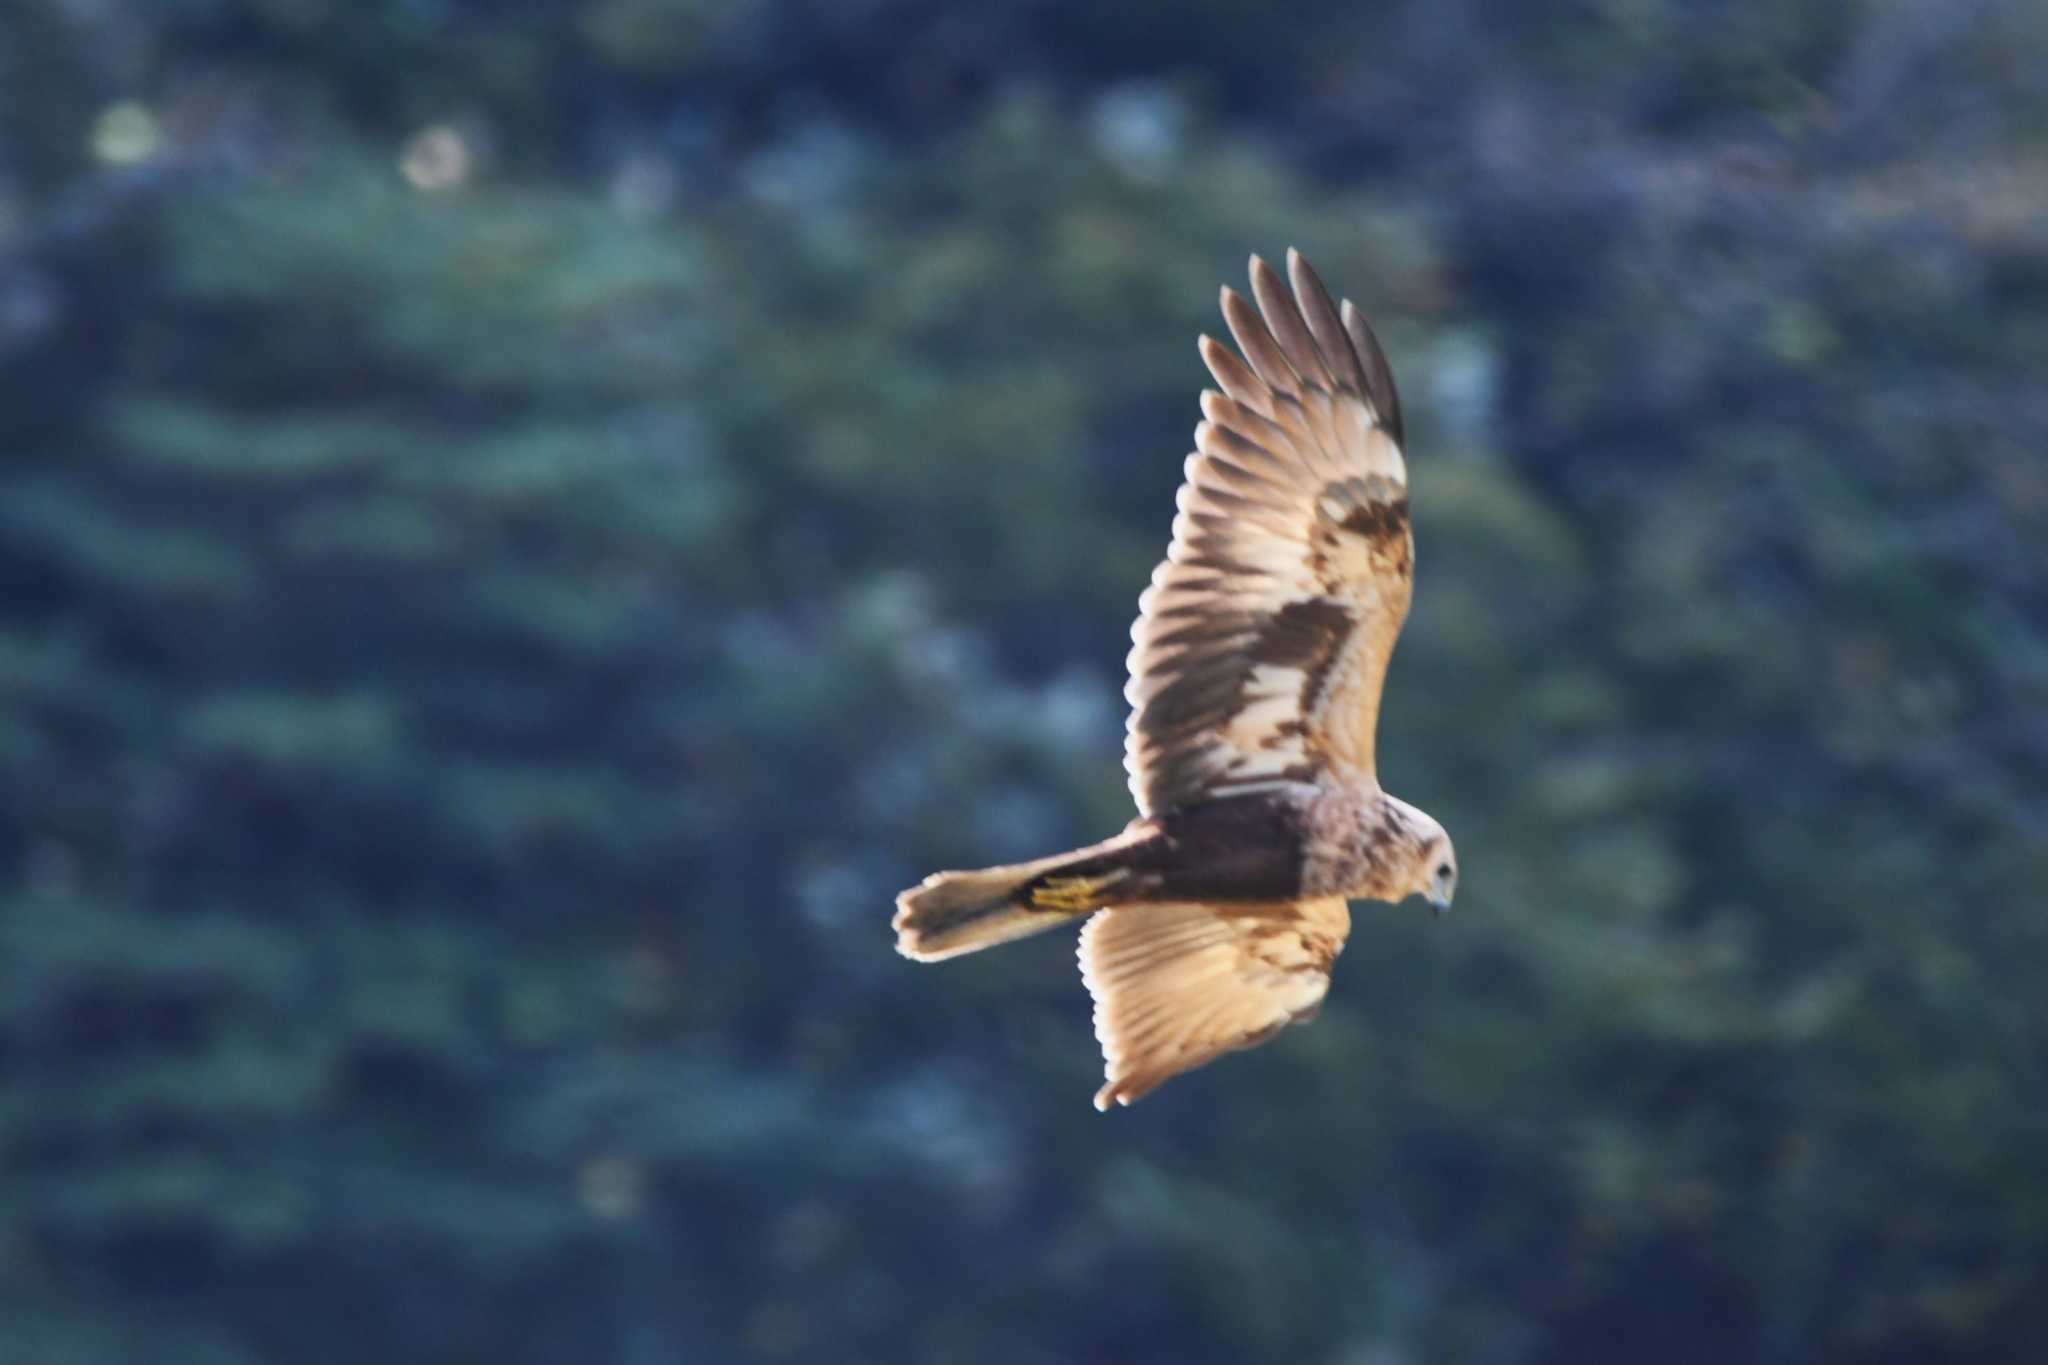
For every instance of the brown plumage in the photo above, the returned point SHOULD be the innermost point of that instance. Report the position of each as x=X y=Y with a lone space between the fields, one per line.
x=1257 y=661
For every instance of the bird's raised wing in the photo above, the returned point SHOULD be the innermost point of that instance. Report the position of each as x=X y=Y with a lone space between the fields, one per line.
x=1262 y=642
x=1179 y=985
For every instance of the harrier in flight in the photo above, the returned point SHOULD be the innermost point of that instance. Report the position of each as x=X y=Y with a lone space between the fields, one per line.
x=1259 y=652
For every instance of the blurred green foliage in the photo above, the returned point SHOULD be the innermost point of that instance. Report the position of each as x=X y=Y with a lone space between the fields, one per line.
x=520 y=530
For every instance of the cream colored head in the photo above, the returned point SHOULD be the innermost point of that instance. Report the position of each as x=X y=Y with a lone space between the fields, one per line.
x=1433 y=870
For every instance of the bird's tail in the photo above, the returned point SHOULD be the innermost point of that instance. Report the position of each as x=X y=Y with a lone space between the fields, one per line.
x=950 y=913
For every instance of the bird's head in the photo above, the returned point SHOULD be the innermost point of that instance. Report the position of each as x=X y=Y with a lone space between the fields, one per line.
x=1434 y=871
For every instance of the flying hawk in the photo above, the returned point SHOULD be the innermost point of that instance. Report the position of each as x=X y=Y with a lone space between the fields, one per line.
x=1259 y=652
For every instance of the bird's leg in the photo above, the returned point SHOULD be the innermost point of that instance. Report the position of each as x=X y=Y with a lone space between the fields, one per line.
x=1075 y=893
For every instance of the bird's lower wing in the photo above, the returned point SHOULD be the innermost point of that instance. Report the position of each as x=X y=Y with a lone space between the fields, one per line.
x=1179 y=985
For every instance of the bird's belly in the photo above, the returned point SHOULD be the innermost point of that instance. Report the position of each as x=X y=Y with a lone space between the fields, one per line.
x=1241 y=848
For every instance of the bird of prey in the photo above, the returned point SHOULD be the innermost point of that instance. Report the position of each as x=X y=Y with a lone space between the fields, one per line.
x=1255 y=675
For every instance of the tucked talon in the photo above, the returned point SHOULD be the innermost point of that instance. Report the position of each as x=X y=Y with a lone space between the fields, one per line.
x=1073 y=893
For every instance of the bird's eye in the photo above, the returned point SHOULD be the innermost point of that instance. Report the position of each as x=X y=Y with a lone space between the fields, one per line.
x=1443 y=871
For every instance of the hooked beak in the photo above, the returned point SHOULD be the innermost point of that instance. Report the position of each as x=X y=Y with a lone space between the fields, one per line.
x=1439 y=903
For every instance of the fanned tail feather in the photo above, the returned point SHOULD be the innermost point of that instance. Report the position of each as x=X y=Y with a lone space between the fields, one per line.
x=951 y=913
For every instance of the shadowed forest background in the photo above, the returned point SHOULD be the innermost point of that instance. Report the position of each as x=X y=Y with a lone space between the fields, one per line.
x=521 y=527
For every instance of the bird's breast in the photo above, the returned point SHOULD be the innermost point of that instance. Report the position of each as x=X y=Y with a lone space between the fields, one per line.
x=1354 y=843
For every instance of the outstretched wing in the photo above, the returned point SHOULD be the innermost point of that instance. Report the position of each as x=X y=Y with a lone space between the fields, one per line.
x=1262 y=642
x=1179 y=985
